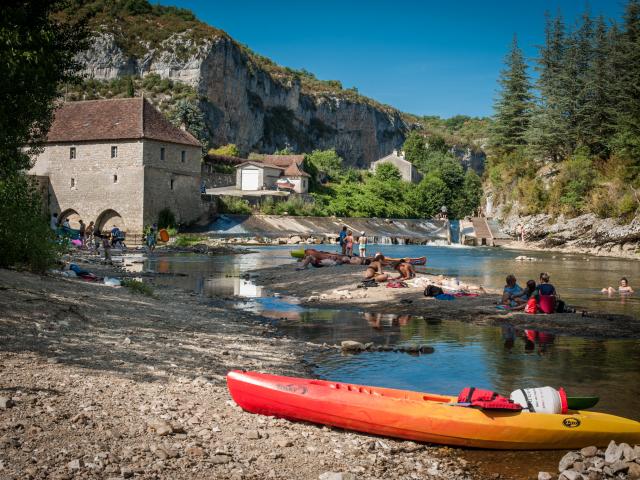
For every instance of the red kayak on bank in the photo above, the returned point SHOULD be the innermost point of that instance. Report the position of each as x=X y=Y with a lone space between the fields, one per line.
x=423 y=417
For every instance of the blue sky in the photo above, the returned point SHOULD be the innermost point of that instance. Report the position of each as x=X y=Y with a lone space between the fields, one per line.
x=424 y=57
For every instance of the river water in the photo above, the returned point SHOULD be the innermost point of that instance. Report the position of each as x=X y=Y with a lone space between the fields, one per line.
x=502 y=359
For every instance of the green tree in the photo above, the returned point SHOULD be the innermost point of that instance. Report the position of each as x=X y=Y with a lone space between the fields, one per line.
x=228 y=150
x=428 y=196
x=25 y=236
x=627 y=138
x=131 y=92
x=387 y=172
x=514 y=104
x=186 y=113
x=37 y=56
x=471 y=194
x=415 y=147
x=326 y=161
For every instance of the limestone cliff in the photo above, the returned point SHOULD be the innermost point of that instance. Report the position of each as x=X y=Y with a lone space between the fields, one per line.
x=257 y=109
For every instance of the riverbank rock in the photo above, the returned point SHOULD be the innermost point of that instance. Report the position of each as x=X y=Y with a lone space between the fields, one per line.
x=619 y=460
x=351 y=346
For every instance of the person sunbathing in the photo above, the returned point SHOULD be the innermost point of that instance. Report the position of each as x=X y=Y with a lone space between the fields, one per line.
x=406 y=270
x=324 y=261
x=374 y=270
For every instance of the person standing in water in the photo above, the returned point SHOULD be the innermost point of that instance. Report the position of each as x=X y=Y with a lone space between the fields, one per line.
x=341 y=240
x=362 y=245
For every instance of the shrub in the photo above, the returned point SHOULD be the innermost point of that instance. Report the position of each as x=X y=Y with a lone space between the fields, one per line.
x=234 y=205
x=188 y=240
x=229 y=150
x=25 y=237
x=136 y=286
x=166 y=218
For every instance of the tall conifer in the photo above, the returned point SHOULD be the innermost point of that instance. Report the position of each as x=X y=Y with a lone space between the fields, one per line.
x=513 y=105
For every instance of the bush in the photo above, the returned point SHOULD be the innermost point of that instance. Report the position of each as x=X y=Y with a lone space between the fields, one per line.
x=25 y=237
x=166 y=219
x=136 y=286
x=234 y=205
x=188 y=240
x=229 y=150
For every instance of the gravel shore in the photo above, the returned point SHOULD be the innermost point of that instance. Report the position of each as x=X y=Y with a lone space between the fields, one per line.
x=99 y=382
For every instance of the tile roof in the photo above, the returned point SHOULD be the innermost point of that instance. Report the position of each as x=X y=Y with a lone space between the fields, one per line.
x=283 y=160
x=259 y=164
x=115 y=119
x=295 y=170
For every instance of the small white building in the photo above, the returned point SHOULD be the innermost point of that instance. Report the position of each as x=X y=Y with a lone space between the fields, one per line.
x=272 y=170
x=407 y=170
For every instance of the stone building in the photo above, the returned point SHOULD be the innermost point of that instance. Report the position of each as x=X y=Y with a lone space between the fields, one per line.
x=407 y=170
x=119 y=162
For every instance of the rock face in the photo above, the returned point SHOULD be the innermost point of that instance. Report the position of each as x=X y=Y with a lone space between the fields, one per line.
x=586 y=233
x=246 y=105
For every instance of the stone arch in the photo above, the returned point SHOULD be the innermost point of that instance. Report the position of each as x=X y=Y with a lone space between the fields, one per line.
x=107 y=219
x=72 y=215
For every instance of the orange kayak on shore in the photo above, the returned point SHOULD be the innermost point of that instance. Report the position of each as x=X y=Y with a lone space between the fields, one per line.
x=423 y=417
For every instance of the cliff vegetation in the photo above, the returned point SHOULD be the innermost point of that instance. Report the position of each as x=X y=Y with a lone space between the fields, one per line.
x=569 y=143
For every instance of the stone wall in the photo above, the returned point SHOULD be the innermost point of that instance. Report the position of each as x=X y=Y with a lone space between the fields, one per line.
x=215 y=179
x=94 y=185
x=171 y=183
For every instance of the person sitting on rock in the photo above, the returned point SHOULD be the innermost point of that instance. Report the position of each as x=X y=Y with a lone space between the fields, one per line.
x=511 y=292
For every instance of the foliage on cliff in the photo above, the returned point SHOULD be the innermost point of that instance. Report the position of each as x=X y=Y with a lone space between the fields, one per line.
x=570 y=142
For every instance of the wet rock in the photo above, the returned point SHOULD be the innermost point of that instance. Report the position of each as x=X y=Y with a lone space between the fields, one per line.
x=589 y=451
x=568 y=460
x=613 y=453
x=6 y=402
x=351 y=346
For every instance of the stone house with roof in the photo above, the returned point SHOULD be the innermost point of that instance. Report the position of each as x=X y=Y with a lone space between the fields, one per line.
x=407 y=170
x=119 y=162
x=272 y=172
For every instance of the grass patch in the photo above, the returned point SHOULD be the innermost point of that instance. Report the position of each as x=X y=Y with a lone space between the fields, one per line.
x=184 y=240
x=138 y=287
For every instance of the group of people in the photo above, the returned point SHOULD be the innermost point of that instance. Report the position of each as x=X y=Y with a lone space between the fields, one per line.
x=346 y=241
x=534 y=297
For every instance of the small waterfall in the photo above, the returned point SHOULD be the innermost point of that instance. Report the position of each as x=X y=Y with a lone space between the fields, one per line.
x=401 y=241
x=385 y=241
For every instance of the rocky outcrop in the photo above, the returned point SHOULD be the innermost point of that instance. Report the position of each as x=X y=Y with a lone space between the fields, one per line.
x=246 y=105
x=586 y=233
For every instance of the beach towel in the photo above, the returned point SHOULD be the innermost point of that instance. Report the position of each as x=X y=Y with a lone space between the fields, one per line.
x=466 y=294
x=396 y=284
x=445 y=296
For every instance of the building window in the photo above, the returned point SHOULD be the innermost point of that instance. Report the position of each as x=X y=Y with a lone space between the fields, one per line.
x=72 y=153
x=171 y=184
x=115 y=179
x=114 y=152
x=161 y=153
x=183 y=156
x=73 y=183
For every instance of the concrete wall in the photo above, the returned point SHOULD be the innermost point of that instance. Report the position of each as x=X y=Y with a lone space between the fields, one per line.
x=103 y=187
x=170 y=182
x=301 y=184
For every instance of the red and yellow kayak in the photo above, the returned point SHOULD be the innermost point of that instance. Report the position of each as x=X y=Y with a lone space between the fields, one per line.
x=423 y=417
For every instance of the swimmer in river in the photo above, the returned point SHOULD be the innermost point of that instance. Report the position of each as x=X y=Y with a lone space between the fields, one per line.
x=623 y=287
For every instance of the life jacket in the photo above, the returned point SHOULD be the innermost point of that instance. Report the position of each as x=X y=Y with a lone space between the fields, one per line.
x=487 y=399
x=532 y=306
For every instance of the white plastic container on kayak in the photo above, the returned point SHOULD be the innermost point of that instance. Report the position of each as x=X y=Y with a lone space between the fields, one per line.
x=541 y=399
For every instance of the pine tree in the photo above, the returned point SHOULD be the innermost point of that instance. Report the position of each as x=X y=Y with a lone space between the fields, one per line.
x=549 y=125
x=627 y=138
x=130 y=88
x=514 y=104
